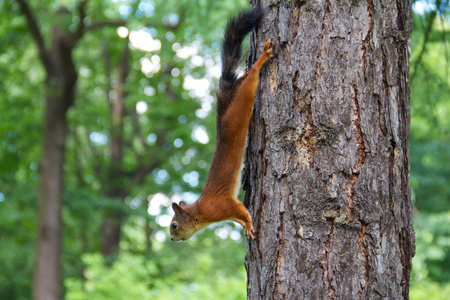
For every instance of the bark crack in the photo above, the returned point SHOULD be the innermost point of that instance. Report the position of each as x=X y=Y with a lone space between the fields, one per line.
x=385 y=91
x=326 y=278
x=298 y=6
x=258 y=228
x=319 y=54
x=279 y=256
x=404 y=270
x=361 y=149
x=365 y=253
x=309 y=133
x=366 y=40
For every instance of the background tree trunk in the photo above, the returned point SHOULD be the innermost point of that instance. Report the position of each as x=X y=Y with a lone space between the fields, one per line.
x=327 y=174
x=60 y=87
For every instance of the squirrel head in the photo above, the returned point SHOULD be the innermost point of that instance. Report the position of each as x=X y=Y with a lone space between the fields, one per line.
x=183 y=224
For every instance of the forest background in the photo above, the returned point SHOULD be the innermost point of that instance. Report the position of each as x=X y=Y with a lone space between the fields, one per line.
x=167 y=140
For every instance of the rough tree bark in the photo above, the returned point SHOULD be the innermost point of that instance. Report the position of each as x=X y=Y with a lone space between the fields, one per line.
x=327 y=172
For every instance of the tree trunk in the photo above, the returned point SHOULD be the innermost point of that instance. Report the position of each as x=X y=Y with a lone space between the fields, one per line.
x=60 y=95
x=327 y=172
x=47 y=273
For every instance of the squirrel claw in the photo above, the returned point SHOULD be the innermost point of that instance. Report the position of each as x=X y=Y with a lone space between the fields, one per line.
x=267 y=53
x=266 y=46
x=249 y=233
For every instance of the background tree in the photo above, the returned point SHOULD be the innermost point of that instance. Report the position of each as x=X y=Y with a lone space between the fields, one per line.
x=132 y=147
x=61 y=77
x=113 y=162
x=429 y=148
x=328 y=162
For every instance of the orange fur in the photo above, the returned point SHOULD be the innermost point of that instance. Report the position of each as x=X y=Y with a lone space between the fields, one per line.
x=218 y=200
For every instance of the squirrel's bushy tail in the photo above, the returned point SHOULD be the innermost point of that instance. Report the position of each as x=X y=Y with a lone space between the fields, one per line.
x=238 y=27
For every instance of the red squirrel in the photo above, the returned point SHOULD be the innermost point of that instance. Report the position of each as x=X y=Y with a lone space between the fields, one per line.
x=235 y=99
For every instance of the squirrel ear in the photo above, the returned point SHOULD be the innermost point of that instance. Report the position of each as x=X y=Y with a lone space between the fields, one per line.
x=183 y=204
x=177 y=209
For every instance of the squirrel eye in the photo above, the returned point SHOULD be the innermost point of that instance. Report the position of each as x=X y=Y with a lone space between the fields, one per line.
x=174 y=225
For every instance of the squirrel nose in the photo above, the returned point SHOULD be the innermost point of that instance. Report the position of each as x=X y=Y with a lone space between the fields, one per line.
x=171 y=238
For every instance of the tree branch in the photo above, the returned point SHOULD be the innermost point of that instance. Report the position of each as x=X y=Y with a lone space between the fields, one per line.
x=82 y=28
x=76 y=36
x=425 y=41
x=36 y=34
x=105 y=24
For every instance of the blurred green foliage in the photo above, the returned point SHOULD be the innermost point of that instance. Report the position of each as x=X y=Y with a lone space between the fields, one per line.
x=186 y=271
x=210 y=266
x=430 y=149
x=170 y=88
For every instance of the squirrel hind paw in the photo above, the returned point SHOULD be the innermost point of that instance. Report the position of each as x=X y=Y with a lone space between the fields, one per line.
x=249 y=233
x=265 y=56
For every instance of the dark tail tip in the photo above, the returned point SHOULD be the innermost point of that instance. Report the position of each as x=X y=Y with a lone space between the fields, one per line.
x=238 y=27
